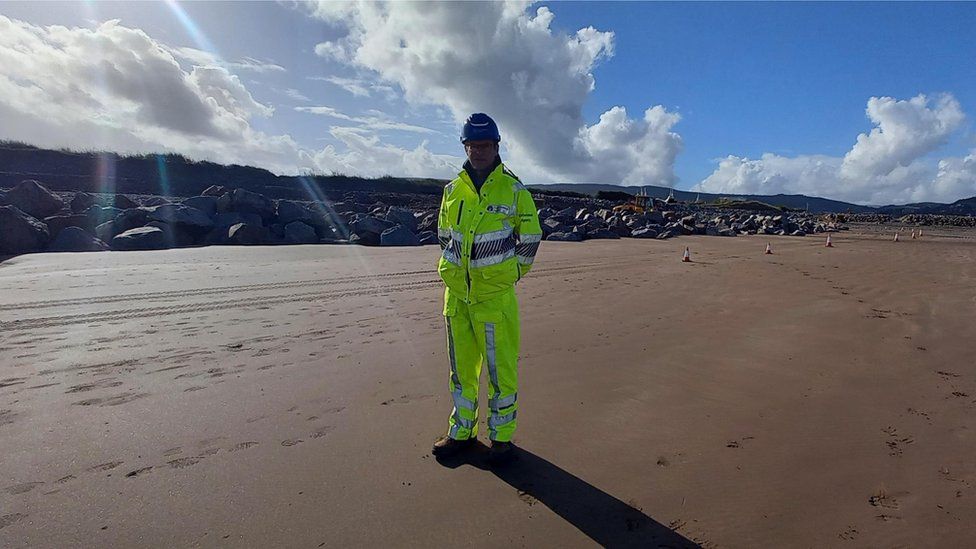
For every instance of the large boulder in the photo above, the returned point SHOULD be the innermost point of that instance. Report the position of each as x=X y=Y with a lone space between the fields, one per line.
x=246 y=234
x=365 y=238
x=34 y=199
x=206 y=204
x=349 y=206
x=76 y=239
x=177 y=236
x=646 y=232
x=565 y=237
x=617 y=225
x=243 y=201
x=566 y=214
x=229 y=219
x=297 y=232
x=427 y=237
x=106 y=231
x=553 y=225
x=428 y=223
x=326 y=220
x=290 y=210
x=601 y=234
x=399 y=236
x=215 y=191
x=178 y=214
x=402 y=216
x=654 y=217
x=142 y=238
x=122 y=202
x=216 y=237
x=155 y=201
x=56 y=223
x=21 y=233
x=369 y=224
x=81 y=202
x=98 y=215
x=130 y=219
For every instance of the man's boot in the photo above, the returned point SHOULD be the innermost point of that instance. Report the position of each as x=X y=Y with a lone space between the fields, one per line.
x=500 y=452
x=447 y=446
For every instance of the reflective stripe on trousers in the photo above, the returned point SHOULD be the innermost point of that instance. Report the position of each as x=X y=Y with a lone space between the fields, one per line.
x=485 y=333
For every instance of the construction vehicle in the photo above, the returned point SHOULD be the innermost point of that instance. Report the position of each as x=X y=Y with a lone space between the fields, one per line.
x=640 y=203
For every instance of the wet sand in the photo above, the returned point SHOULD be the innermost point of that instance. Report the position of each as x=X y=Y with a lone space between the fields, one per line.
x=288 y=397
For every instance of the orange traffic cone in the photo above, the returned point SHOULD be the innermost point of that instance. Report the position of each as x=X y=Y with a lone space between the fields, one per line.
x=896 y=236
x=829 y=244
x=913 y=235
x=769 y=249
x=687 y=257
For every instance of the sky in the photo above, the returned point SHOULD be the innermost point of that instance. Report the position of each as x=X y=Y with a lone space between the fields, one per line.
x=864 y=102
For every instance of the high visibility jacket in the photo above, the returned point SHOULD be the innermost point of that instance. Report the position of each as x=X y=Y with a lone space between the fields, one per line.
x=489 y=239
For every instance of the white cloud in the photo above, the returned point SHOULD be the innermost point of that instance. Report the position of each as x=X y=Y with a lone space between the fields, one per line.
x=367 y=156
x=359 y=87
x=207 y=59
x=904 y=131
x=116 y=88
x=501 y=59
x=295 y=94
x=376 y=121
x=885 y=166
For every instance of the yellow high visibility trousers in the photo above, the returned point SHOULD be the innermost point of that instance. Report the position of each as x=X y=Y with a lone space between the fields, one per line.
x=485 y=333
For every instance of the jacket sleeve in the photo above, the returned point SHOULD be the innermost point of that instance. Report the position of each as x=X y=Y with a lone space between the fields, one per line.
x=528 y=231
x=443 y=225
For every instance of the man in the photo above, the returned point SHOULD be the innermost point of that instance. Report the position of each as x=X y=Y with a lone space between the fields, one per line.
x=489 y=231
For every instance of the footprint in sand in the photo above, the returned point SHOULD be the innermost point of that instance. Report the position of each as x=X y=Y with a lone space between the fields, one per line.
x=138 y=472
x=106 y=466
x=181 y=463
x=527 y=498
x=243 y=445
x=292 y=442
x=322 y=431
x=7 y=520
x=103 y=384
x=22 y=488
x=210 y=441
x=112 y=401
x=7 y=417
x=896 y=442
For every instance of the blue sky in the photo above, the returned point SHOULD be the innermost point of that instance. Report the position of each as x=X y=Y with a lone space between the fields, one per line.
x=722 y=97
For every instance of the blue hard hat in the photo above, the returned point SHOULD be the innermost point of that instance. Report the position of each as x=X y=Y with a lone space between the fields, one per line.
x=480 y=127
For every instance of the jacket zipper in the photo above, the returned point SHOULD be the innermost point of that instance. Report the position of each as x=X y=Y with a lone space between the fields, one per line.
x=467 y=275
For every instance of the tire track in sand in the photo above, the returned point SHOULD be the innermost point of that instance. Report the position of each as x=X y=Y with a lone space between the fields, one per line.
x=246 y=301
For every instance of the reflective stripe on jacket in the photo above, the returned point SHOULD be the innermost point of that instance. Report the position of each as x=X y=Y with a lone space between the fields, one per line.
x=489 y=239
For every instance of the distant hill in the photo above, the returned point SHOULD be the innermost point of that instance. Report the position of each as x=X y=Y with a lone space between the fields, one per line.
x=176 y=175
x=792 y=201
x=966 y=206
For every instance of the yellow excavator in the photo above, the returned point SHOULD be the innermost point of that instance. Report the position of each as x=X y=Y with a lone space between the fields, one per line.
x=640 y=203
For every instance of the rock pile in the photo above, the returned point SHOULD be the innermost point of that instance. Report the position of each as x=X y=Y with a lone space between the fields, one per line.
x=32 y=218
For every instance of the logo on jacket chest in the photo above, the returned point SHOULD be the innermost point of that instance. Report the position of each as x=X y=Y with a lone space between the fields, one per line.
x=499 y=209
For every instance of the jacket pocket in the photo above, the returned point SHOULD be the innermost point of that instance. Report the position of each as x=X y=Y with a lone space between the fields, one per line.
x=496 y=278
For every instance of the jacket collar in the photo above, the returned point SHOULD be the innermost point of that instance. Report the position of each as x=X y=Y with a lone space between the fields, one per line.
x=470 y=170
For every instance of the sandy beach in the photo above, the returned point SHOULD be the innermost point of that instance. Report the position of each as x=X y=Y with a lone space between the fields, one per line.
x=289 y=396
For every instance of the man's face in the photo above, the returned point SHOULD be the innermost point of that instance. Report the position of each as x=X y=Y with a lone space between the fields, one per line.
x=481 y=154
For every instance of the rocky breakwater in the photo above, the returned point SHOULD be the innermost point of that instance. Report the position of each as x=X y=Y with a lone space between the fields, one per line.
x=34 y=219
x=578 y=224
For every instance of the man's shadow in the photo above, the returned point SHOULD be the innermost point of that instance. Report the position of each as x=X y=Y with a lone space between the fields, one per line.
x=604 y=518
